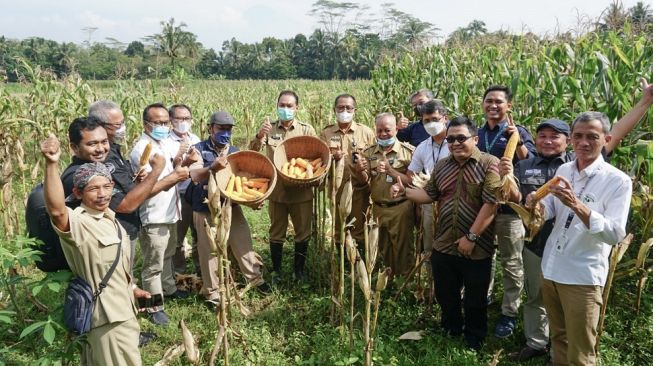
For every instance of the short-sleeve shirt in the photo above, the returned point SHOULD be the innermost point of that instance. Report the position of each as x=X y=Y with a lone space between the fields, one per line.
x=461 y=191
x=356 y=139
x=494 y=141
x=90 y=247
x=165 y=207
x=413 y=134
x=277 y=135
x=427 y=154
x=399 y=157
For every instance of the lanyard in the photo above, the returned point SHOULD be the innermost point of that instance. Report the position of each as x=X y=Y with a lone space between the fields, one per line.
x=488 y=145
x=572 y=214
x=436 y=158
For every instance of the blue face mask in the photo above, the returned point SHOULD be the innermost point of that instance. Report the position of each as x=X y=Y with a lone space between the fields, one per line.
x=222 y=137
x=386 y=142
x=160 y=132
x=285 y=114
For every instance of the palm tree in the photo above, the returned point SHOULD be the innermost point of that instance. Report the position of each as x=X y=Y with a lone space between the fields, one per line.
x=175 y=42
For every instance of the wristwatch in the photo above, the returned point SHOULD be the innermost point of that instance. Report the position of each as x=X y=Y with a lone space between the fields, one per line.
x=471 y=237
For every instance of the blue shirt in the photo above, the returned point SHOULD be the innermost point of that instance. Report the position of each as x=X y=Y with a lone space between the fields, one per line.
x=414 y=134
x=197 y=193
x=494 y=141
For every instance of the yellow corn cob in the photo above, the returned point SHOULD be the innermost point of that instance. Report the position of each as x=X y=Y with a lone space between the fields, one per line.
x=285 y=170
x=545 y=189
x=511 y=146
x=239 y=185
x=253 y=192
x=319 y=171
x=145 y=156
x=230 y=185
x=309 y=171
x=301 y=163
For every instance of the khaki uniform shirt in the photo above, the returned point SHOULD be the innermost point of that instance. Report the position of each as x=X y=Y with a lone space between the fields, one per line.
x=356 y=139
x=380 y=183
x=277 y=135
x=90 y=248
x=460 y=191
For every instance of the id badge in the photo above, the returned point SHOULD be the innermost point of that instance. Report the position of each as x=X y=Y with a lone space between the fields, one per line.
x=389 y=179
x=561 y=243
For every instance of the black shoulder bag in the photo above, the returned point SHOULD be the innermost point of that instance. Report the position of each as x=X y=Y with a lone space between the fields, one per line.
x=80 y=298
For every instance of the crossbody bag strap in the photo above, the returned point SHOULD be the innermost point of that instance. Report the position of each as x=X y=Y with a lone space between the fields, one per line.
x=107 y=276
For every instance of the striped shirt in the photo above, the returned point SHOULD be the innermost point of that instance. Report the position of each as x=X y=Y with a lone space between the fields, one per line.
x=461 y=191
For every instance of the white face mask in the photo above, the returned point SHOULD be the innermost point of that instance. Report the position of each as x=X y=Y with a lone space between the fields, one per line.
x=121 y=133
x=182 y=127
x=344 y=117
x=434 y=128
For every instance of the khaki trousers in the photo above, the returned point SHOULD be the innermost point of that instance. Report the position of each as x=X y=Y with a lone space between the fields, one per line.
x=573 y=312
x=240 y=244
x=536 y=324
x=301 y=214
x=396 y=239
x=158 y=243
x=183 y=225
x=113 y=344
x=510 y=239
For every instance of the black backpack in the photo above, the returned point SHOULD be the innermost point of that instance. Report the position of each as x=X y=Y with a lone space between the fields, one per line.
x=39 y=226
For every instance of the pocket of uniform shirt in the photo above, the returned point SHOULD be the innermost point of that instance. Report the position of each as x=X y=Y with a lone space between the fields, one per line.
x=109 y=249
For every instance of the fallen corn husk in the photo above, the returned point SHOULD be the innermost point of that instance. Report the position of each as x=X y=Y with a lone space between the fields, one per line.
x=192 y=353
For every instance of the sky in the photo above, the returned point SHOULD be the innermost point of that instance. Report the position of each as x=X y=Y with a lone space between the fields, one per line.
x=251 y=20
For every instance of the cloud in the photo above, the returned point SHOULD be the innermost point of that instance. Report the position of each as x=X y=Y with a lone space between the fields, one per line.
x=90 y=19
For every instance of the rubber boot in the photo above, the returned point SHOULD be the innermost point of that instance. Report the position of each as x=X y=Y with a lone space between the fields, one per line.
x=276 y=253
x=301 y=249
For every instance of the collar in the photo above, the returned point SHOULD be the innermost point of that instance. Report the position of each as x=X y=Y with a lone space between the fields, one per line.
x=176 y=137
x=280 y=126
x=486 y=127
x=352 y=127
x=590 y=169
x=476 y=154
x=541 y=159
x=77 y=161
x=213 y=147
x=108 y=213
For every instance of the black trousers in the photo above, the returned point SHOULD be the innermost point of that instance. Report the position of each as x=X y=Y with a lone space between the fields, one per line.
x=452 y=273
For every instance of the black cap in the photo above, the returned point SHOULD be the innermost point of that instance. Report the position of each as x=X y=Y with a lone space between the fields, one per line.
x=556 y=124
x=221 y=118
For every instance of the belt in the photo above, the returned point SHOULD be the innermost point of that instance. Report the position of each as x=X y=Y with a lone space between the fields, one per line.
x=389 y=204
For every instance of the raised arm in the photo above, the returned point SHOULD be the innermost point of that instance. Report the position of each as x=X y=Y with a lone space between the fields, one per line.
x=52 y=186
x=142 y=190
x=629 y=121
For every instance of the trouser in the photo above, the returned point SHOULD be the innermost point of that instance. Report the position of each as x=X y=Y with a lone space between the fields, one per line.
x=573 y=312
x=132 y=256
x=183 y=225
x=240 y=244
x=536 y=324
x=113 y=344
x=396 y=240
x=510 y=238
x=360 y=201
x=301 y=214
x=450 y=274
x=158 y=243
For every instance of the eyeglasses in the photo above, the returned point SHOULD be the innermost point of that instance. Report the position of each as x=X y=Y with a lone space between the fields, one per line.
x=343 y=108
x=115 y=125
x=459 y=139
x=159 y=123
x=183 y=119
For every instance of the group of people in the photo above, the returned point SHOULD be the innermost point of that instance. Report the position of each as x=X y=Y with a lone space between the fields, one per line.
x=105 y=202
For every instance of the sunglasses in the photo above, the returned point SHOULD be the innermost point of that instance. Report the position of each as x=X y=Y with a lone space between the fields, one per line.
x=460 y=139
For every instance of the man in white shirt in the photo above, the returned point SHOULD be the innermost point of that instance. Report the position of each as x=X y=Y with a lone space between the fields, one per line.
x=159 y=213
x=590 y=207
x=182 y=140
x=426 y=155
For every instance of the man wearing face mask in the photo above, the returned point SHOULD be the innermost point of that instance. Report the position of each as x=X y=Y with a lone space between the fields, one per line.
x=214 y=151
x=182 y=139
x=347 y=140
x=285 y=201
x=426 y=155
x=380 y=167
x=159 y=213
x=414 y=133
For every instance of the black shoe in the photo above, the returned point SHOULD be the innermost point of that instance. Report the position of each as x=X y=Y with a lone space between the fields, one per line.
x=301 y=248
x=526 y=354
x=145 y=338
x=264 y=288
x=474 y=344
x=276 y=278
x=160 y=318
x=276 y=254
x=179 y=294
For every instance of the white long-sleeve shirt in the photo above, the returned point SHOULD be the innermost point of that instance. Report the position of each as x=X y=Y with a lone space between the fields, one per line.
x=579 y=255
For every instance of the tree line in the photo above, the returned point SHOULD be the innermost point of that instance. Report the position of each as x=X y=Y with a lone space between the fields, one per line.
x=350 y=41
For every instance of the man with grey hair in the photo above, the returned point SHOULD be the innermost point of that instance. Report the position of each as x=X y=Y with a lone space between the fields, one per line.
x=414 y=133
x=381 y=165
x=590 y=206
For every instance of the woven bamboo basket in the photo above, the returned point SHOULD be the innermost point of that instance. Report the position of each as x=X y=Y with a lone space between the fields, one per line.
x=307 y=147
x=250 y=164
